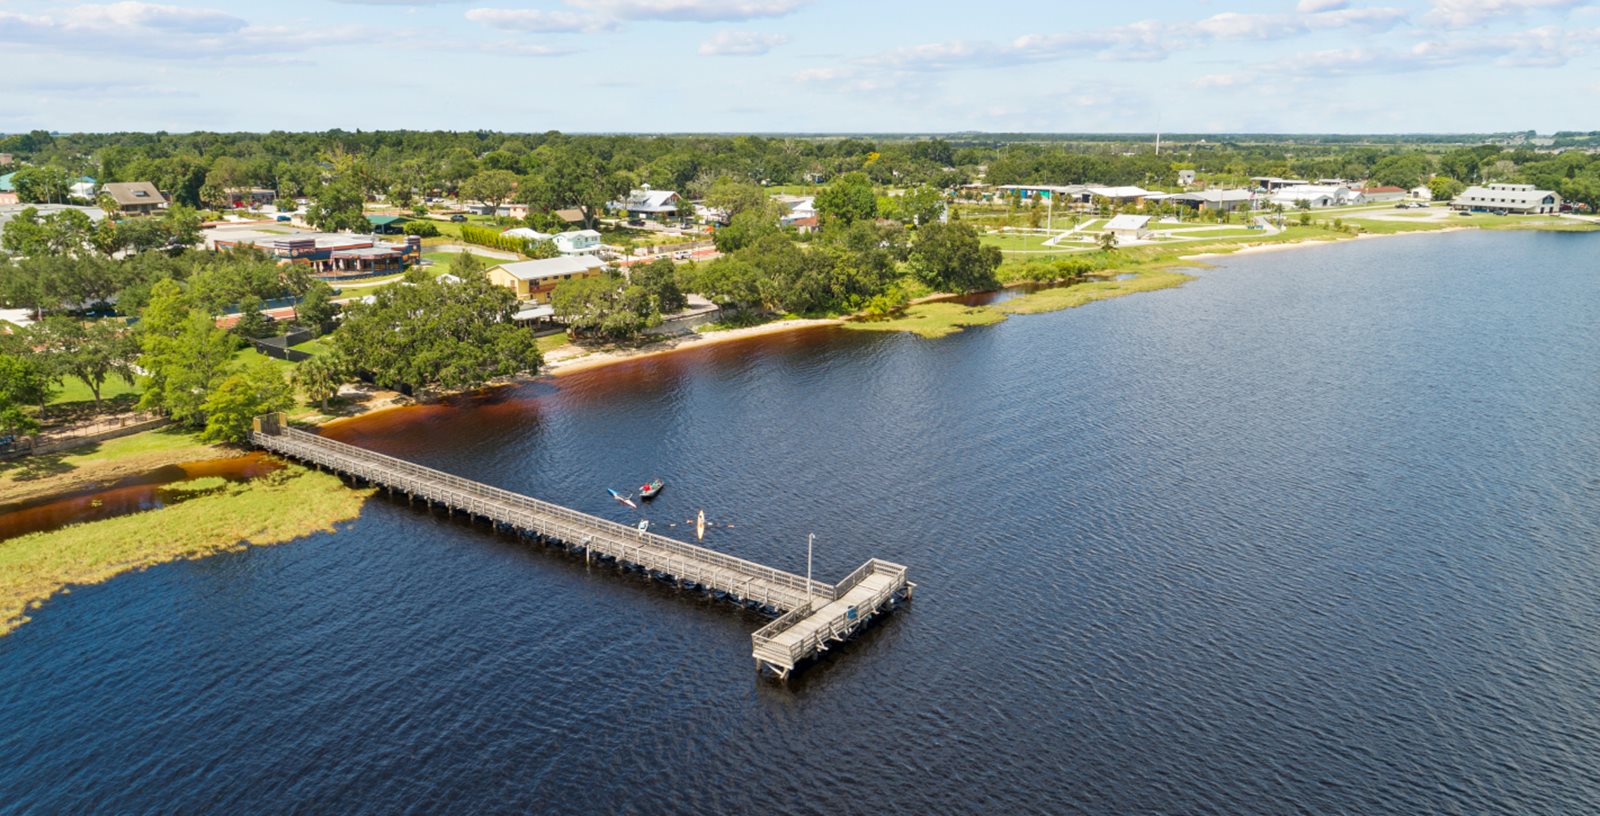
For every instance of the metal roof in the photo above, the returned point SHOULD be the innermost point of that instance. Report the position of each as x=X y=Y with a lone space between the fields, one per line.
x=550 y=267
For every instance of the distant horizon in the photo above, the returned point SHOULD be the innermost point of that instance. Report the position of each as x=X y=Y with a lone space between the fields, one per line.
x=1175 y=136
x=799 y=66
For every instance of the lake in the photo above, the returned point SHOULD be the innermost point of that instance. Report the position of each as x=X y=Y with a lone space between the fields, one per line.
x=1315 y=533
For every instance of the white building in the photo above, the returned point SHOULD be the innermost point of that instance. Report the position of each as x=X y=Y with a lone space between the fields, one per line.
x=647 y=203
x=1508 y=198
x=578 y=242
x=1129 y=227
x=1317 y=196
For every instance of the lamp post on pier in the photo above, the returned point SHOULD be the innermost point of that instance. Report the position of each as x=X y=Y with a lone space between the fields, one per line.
x=811 y=540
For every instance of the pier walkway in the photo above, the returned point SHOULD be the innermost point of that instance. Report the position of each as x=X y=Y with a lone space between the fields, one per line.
x=810 y=616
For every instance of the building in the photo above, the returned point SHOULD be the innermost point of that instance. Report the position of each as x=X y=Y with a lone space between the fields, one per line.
x=1118 y=196
x=1215 y=200
x=331 y=255
x=135 y=197
x=800 y=209
x=1185 y=177
x=8 y=191
x=658 y=205
x=578 y=242
x=388 y=224
x=535 y=280
x=1044 y=192
x=1272 y=183
x=82 y=189
x=1381 y=194
x=250 y=196
x=5 y=159
x=1129 y=227
x=1317 y=196
x=1421 y=192
x=527 y=234
x=10 y=211
x=570 y=215
x=1522 y=199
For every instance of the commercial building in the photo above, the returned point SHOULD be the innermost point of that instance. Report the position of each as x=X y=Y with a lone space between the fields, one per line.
x=535 y=280
x=1317 y=196
x=1381 y=194
x=135 y=197
x=331 y=255
x=1273 y=183
x=1522 y=199
x=1215 y=200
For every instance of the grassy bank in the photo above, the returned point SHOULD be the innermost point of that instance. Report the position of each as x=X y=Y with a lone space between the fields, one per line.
x=279 y=507
x=1069 y=297
x=932 y=319
x=33 y=476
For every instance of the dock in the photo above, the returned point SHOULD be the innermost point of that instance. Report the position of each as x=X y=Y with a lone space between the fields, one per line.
x=811 y=615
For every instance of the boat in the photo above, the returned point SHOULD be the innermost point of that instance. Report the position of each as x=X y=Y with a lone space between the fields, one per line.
x=628 y=500
x=651 y=488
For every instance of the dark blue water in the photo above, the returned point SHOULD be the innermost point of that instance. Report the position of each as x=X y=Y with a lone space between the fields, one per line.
x=1316 y=533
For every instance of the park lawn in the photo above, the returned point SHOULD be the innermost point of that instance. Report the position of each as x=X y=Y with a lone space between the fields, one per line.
x=1018 y=243
x=932 y=320
x=794 y=189
x=442 y=259
x=73 y=390
x=320 y=345
x=249 y=356
x=551 y=342
x=47 y=474
x=281 y=506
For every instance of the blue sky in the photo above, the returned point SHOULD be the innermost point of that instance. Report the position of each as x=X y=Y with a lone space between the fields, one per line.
x=1343 y=66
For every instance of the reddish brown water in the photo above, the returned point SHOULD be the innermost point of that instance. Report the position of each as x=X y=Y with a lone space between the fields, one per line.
x=134 y=494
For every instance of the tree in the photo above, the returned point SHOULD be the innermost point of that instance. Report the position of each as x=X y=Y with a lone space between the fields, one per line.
x=731 y=282
x=91 y=352
x=252 y=323
x=317 y=307
x=921 y=205
x=1107 y=241
x=744 y=229
x=259 y=388
x=42 y=185
x=1406 y=170
x=338 y=207
x=432 y=334
x=1444 y=188
x=659 y=279
x=467 y=265
x=733 y=196
x=492 y=187
x=603 y=306
x=320 y=377
x=183 y=356
x=573 y=177
x=849 y=198
x=25 y=380
x=950 y=258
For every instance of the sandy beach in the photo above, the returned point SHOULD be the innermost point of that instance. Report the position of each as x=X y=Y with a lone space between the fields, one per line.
x=568 y=359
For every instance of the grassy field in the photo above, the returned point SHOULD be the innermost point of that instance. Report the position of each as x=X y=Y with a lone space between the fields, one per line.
x=932 y=319
x=275 y=508
x=551 y=342
x=73 y=390
x=34 y=476
x=1068 y=297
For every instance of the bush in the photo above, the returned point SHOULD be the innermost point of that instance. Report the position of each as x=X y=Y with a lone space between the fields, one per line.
x=489 y=237
x=422 y=229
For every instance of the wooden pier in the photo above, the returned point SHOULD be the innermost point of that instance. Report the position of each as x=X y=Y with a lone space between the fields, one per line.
x=811 y=615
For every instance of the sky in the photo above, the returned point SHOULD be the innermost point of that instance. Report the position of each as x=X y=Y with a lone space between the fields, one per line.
x=802 y=66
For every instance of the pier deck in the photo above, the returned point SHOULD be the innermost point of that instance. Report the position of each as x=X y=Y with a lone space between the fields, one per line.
x=811 y=616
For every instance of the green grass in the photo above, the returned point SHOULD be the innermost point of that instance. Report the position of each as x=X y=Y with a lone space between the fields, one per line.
x=249 y=356
x=551 y=342
x=1068 y=297
x=932 y=320
x=73 y=390
x=279 y=507
x=107 y=461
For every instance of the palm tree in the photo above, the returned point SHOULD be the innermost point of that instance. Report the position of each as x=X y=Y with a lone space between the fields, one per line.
x=319 y=378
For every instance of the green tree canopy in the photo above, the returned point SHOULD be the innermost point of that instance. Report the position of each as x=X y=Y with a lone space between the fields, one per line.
x=950 y=258
x=338 y=206
x=90 y=351
x=257 y=388
x=426 y=334
x=849 y=198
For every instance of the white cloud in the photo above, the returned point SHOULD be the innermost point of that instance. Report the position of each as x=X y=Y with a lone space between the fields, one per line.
x=1147 y=40
x=698 y=11
x=152 y=31
x=1461 y=13
x=517 y=49
x=536 y=20
x=741 y=44
x=1314 y=6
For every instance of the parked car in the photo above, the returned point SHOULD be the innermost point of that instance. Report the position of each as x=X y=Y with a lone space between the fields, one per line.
x=682 y=255
x=458 y=218
x=282 y=218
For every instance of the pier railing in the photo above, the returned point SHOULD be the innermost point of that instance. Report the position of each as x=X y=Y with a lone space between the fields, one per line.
x=810 y=613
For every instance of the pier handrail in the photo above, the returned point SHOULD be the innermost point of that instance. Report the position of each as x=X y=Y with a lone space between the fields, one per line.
x=356 y=459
